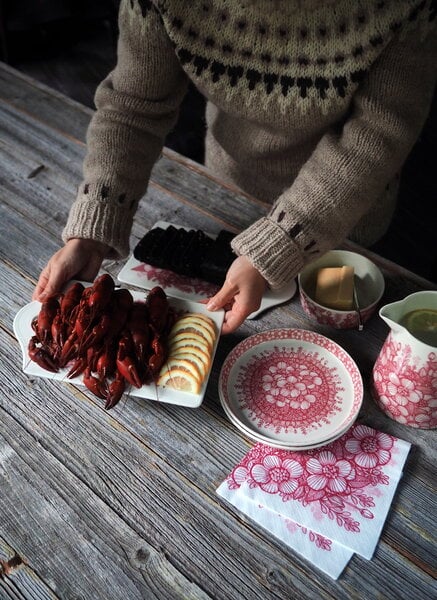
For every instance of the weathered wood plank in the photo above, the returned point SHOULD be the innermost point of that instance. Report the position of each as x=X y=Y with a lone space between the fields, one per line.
x=17 y=580
x=99 y=556
x=151 y=498
x=152 y=469
x=43 y=102
x=177 y=445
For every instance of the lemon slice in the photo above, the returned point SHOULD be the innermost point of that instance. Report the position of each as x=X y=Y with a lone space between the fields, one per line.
x=179 y=379
x=200 y=316
x=195 y=356
x=188 y=338
x=190 y=347
x=422 y=323
x=192 y=328
x=178 y=362
x=194 y=322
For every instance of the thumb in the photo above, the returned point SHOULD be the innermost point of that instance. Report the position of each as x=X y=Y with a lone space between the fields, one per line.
x=222 y=298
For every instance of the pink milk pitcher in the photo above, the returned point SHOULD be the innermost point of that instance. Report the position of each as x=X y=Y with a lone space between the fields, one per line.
x=405 y=372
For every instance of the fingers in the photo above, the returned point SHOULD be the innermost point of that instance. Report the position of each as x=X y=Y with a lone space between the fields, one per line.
x=237 y=303
x=41 y=285
x=234 y=318
x=79 y=258
x=223 y=297
x=240 y=294
x=51 y=282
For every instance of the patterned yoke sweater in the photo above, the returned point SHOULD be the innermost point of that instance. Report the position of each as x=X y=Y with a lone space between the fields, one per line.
x=313 y=106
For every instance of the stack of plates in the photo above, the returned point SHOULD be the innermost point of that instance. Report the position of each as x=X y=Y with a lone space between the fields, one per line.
x=291 y=388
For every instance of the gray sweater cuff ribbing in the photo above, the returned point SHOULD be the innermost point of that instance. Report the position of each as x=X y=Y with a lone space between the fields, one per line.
x=105 y=222
x=271 y=251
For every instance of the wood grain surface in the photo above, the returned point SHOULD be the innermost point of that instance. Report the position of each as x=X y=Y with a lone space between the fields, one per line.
x=122 y=504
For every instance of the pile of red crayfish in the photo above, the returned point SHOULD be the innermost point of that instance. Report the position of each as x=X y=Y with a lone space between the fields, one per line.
x=102 y=333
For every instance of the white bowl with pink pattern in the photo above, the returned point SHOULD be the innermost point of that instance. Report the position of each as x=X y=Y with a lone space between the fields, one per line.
x=369 y=284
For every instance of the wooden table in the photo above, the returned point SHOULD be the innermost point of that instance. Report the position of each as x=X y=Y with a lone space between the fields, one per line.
x=122 y=504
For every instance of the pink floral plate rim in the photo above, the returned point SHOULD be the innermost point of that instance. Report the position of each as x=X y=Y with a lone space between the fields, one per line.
x=291 y=388
x=287 y=445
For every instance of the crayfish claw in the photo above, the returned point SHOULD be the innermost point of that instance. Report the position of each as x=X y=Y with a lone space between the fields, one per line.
x=125 y=363
x=95 y=385
x=78 y=368
x=129 y=371
x=39 y=354
x=115 y=392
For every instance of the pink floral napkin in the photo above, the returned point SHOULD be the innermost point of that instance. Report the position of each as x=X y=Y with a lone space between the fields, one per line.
x=329 y=556
x=341 y=492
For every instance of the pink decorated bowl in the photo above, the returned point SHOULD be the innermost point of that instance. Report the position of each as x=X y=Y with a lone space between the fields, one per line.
x=369 y=284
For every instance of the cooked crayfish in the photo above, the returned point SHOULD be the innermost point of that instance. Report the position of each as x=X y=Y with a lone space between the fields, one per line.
x=99 y=332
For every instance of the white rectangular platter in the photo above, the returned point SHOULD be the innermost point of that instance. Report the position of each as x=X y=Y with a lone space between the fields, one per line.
x=23 y=332
x=145 y=276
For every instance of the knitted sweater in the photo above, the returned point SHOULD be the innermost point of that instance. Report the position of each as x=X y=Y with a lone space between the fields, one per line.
x=312 y=106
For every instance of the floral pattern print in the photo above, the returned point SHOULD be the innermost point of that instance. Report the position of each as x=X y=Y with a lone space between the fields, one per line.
x=277 y=475
x=326 y=471
x=404 y=386
x=369 y=448
x=168 y=279
x=291 y=387
x=340 y=479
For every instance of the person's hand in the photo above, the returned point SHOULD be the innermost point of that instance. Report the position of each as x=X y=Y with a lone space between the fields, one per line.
x=240 y=294
x=78 y=259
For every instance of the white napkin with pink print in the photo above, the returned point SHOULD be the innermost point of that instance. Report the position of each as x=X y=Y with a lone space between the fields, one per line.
x=340 y=493
x=329 y=556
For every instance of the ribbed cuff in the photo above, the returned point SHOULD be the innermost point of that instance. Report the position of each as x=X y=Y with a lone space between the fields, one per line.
x=104 y=222
x=271 y=251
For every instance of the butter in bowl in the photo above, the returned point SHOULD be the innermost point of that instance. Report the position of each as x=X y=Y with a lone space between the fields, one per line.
x=341 y=289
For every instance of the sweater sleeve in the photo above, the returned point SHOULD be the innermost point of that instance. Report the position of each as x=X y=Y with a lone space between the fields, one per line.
x=137 y=105
x=350 y=166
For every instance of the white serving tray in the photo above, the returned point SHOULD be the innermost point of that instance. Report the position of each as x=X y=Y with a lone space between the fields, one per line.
x=145 y=276
x=23 y=332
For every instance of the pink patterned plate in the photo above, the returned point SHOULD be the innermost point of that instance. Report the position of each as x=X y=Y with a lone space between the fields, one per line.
x=291 y=388
x=142 y=275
